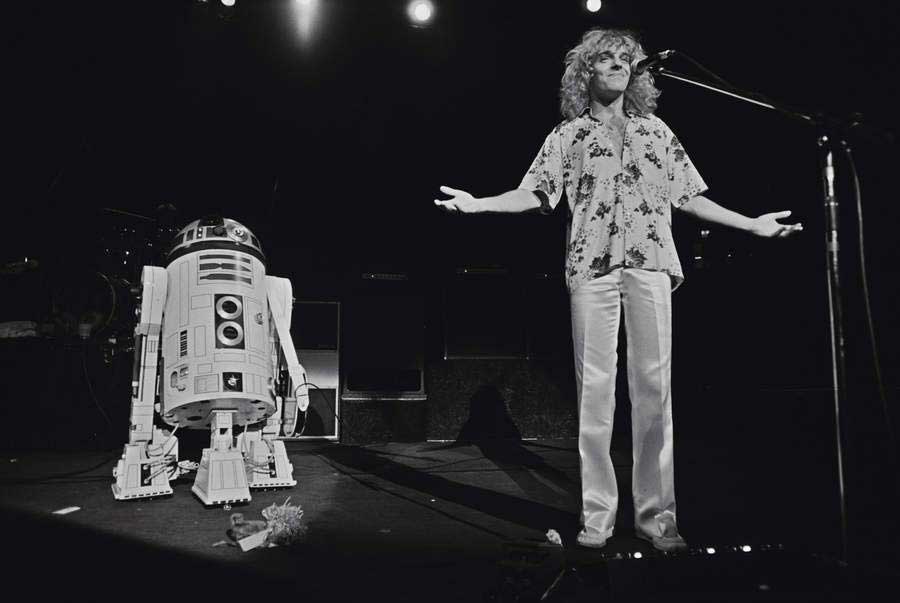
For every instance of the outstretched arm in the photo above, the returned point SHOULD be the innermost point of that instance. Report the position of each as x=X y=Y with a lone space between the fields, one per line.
x=514 y=201
x=766 y=225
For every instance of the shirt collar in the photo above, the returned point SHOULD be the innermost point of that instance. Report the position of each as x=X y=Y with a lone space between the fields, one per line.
x=586 y=112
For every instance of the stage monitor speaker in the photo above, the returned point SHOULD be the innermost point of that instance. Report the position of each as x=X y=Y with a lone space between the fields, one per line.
x=547 y=316
x=383 y=342
x=483 y=315
x=316 y=329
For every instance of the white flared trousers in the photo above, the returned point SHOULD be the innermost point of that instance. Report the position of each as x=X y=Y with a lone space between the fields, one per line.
x=646 y=299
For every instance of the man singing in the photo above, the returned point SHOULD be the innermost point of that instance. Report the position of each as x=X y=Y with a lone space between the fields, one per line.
x=622 y=170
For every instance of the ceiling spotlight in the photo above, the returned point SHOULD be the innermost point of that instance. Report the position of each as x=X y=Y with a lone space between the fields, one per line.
x=420 y=12
x=593 y=5
x=308 y=16
x=228 y=2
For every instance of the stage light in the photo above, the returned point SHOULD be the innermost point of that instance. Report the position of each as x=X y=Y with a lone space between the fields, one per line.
x=228 y=2
x=711 y=551
x=593 y=5
x=307 y=14
x=638 y=555
x=746 y=548
x=420 y=12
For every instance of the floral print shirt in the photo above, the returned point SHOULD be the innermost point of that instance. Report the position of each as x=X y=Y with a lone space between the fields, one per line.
x=619 y=207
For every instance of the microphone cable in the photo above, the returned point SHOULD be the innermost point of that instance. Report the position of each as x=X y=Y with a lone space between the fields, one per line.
x=870 y=323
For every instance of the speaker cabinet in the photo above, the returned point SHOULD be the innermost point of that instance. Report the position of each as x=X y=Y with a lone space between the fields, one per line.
x=483 y=310
x=383 y=341
x=316 y=331
x=547 y=317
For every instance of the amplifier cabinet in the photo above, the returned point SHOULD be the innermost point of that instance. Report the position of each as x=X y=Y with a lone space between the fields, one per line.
x=316 y=331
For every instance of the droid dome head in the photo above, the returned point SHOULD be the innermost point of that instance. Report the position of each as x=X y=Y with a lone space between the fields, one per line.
x=215 y=232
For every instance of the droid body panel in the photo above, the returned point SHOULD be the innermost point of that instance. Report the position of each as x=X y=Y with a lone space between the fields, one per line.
x=215 y=338
x=213 y=351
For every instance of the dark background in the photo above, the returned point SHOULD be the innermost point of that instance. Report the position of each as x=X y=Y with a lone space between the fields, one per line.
x=332 y=149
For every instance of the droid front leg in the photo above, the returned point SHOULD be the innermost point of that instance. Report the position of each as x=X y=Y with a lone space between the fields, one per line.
x=222 y=475
x=268 y=465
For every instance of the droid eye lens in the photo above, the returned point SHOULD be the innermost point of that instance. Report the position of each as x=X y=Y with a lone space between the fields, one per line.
x=229 y=307
x=230 y=333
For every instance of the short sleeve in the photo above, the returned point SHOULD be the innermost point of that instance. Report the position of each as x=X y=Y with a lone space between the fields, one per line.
x=544 y=177
x=685 y=181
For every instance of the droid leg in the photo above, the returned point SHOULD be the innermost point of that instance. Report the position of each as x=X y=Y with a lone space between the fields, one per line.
x=221 y=477
x=150 y=458
x=145 y=470
x=280 y=296
x=266 y=457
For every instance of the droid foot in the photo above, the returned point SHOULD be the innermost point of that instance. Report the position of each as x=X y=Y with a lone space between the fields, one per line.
x=139 y=475
x=221 y=478
x=268 y=465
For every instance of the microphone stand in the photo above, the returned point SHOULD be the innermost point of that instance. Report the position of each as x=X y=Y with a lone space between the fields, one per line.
x=828 y=130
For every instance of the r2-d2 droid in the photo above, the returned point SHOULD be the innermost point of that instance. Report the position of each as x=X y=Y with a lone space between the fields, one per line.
x=221 y=328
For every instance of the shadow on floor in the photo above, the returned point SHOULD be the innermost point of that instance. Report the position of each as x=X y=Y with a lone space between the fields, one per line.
x=549 y=497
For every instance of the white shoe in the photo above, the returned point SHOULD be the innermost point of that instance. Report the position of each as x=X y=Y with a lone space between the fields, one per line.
x=668 y=539
x=673 y=542
x=592 y=540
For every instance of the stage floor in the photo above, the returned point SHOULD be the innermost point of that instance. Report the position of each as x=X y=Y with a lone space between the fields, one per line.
x=430 y=521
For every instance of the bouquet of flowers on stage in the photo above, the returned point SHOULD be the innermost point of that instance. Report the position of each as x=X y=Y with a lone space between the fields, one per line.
x=282 y=526
x=213 y=351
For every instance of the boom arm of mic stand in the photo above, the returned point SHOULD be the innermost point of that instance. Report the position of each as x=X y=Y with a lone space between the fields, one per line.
x=845 y=127
x=734 y=94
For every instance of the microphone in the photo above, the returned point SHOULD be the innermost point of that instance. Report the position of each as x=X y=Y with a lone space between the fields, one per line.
x=650 y=61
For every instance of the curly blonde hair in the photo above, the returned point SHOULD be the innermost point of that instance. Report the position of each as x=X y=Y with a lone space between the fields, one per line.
x=574 y=94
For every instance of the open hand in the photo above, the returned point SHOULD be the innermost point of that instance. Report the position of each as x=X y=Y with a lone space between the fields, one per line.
x=460 y=201
x=767 y=225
